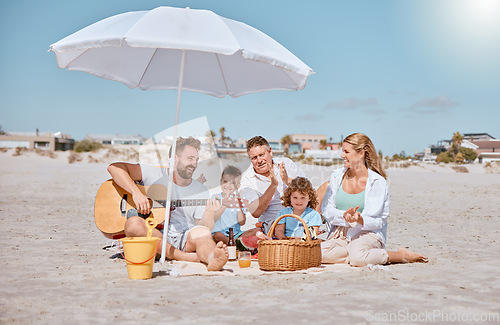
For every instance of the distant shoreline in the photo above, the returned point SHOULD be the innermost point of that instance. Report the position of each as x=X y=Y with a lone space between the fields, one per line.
x=131 y=154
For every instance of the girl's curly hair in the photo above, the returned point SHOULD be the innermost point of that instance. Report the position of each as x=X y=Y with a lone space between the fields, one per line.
x=304 y=186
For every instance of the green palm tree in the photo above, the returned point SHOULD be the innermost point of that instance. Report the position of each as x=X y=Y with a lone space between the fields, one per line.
x=322 y=144
x=456 y=143
x=211 y=135
x=222 y=132
x=286 y=141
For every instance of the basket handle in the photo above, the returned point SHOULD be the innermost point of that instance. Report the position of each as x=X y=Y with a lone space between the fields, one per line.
x=270 y=233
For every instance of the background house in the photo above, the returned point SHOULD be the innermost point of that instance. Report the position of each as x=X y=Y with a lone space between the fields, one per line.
x=117 y=139
x=487 y=150
x=478 y=137
x=486 y=146
x=308 y=141
x=323 y=156
x=37 y=140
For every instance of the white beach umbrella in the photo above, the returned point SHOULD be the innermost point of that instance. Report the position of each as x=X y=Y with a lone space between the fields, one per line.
x=183 y=49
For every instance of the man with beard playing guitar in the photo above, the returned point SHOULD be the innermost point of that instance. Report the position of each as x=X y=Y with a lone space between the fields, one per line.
x=189 y=230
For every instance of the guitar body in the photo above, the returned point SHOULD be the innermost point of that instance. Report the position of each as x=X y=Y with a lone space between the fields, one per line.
x=112 y=203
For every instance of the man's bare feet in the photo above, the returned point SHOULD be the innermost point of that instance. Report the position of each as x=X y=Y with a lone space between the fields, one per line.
x=218 y=259
x=412 y=257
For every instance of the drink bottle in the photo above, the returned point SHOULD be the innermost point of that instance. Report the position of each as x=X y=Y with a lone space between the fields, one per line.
x=231 y=246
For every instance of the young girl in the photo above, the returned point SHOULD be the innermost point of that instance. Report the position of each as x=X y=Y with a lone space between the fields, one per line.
x=300 y=199
x=231 y=213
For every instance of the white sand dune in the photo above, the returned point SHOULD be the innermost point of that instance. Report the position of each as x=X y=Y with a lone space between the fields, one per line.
x=54 y=270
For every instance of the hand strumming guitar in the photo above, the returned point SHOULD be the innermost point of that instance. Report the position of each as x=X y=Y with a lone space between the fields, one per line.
x=142 y=202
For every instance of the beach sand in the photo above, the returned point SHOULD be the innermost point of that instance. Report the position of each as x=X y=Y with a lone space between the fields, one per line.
x=54 y=269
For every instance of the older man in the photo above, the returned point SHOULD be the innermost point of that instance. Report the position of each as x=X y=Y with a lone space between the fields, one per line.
x=189 y=237
x=265 y=181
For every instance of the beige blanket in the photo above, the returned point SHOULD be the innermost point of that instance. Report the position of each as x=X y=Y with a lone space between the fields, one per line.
x=178 y=268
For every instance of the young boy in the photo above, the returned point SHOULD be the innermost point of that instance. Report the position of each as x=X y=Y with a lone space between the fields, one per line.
x=231 y=213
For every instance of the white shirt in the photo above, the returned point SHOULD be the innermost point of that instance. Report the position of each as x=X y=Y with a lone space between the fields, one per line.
x=375 y=213
x=181 y=218
x=254 y=185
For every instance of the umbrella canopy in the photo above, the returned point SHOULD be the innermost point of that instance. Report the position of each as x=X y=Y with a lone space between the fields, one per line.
x=144 y=48
x=183 y=49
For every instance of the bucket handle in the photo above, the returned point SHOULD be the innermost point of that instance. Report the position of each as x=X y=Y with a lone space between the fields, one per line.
x=154 y=254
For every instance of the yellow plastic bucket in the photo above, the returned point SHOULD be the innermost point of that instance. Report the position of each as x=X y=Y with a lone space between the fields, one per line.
x=140 y=255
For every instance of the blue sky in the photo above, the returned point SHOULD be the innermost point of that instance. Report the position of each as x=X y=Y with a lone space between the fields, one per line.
x=406 y=73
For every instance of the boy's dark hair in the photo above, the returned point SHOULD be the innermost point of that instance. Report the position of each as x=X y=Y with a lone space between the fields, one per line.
x=304 y=186
x=256 y=142
x=231 y=170
x=184 y=142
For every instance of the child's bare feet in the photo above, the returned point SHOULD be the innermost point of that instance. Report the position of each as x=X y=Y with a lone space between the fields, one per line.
x=412 y=257
x=218 y=259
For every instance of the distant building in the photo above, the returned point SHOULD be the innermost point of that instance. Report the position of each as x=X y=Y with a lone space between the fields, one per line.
x=426 y=156
x=469 y=144
x=37 y=140
x=321 y=156
x=240 y=143
x=334 y=146
x=488 y=150
x=485 y=157
x=308 y=141
x=486 y=146
x=478 y=136
x=294 y=148
x=117 y=139
x=442 y=146
x=226 y=152
x=275 y=144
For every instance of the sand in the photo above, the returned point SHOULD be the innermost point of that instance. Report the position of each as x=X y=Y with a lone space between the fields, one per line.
x=54 y=269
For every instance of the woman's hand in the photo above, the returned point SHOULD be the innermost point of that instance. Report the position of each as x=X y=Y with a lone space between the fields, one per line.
x=350 y=212
x=352 y=216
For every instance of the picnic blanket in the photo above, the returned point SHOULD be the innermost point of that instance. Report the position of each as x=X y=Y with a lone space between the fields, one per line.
x=180 y=268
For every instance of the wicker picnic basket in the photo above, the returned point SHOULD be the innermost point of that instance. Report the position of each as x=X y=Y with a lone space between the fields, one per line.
x=289 y=254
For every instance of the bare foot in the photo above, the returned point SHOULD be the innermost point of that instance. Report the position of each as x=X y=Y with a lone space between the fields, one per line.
x=218 y=259
x=412 y=257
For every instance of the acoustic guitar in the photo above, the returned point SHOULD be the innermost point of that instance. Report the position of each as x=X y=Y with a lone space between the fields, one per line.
x=112 y=203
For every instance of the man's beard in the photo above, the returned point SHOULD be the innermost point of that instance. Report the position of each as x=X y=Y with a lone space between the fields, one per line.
x=184 y=172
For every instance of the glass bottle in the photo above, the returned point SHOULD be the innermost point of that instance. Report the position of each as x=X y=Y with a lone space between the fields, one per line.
x=231 y=246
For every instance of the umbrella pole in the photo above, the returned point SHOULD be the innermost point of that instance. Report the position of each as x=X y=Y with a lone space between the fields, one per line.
x=171 y=163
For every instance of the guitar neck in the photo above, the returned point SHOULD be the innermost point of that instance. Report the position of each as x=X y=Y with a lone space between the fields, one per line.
x=179 y=203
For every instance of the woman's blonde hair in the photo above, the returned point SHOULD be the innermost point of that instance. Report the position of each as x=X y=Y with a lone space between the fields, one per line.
x=361 y=142
x=302 y=185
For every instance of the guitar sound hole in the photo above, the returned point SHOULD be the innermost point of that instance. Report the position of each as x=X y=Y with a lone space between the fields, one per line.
x=144 y=216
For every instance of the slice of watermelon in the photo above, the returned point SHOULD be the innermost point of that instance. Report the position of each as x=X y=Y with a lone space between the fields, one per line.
x=249 y=243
